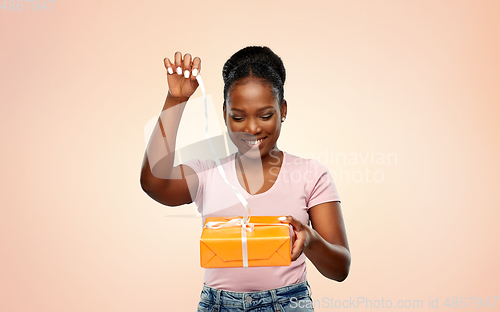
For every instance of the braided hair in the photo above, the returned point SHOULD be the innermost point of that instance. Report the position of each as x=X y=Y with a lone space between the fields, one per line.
x=255 y=61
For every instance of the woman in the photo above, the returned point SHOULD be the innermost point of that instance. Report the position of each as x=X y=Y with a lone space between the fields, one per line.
x=273 y=182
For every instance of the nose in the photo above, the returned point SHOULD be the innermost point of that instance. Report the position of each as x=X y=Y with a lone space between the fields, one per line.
x=252 y=126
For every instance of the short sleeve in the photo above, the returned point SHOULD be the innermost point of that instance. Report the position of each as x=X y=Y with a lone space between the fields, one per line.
x=320 y=188
x=200 y=168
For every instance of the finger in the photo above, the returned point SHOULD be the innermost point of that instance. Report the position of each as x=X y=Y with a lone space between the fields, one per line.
x=196 y=67
x=178 y=62
x=294 y=222
x=187 y=65
x=168 y=65
x=297 y=248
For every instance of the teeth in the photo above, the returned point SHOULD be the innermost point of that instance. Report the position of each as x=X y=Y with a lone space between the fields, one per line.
x=254 y=142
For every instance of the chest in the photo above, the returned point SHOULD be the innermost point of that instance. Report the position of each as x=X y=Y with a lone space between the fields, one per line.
x=279 y=194
x=258 y=181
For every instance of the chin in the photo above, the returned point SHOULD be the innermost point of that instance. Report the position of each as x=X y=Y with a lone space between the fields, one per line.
x=252 y=153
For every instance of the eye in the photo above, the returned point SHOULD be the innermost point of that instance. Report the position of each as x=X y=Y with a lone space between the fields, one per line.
x=267 y=117
x=236 y=118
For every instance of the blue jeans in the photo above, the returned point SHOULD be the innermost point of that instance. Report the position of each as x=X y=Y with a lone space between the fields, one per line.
x=295 y=297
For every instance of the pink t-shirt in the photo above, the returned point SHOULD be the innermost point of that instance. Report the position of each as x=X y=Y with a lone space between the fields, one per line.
x=301 y=184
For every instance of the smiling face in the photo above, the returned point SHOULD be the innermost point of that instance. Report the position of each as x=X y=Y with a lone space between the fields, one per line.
x=253 y=117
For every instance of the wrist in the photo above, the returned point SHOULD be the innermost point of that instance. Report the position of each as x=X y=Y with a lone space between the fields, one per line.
x=314 y=239
x=178 y=99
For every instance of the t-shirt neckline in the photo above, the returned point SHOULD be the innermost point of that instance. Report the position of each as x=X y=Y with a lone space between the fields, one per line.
x=235 y=177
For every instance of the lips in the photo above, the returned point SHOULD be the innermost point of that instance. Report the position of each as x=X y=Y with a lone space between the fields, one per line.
x=256 y=142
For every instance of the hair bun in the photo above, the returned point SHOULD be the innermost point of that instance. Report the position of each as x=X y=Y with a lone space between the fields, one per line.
x=254 y=54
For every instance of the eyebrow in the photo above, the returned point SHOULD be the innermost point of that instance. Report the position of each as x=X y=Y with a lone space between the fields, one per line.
x=260 y=109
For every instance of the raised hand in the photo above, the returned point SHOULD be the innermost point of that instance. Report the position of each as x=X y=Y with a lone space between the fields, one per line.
x=181 y=75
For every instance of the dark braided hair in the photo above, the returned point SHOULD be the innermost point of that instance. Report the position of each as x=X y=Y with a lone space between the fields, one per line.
x=255 y=61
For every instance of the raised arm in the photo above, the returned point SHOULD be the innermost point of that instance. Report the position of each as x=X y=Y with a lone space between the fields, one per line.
x=169 y=185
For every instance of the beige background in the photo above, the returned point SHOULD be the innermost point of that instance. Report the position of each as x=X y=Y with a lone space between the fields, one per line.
x=367 y=80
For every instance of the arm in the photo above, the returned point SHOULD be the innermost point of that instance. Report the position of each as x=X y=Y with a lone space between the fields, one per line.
x=326 y=243
x=164 y=183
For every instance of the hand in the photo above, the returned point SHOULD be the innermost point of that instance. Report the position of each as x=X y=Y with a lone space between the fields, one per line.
x=180 y=86
x=303 y=236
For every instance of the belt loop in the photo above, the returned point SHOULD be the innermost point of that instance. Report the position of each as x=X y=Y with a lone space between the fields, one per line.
x=217 y=300
x=309 y=289
x=275 y=299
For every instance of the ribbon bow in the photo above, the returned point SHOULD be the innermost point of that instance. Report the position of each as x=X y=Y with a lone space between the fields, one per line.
x=233 y=222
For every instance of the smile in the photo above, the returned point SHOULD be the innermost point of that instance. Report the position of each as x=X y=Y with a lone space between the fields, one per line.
x=255 y=142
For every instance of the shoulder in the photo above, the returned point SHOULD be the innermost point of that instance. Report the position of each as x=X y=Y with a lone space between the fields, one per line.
x=315 y=177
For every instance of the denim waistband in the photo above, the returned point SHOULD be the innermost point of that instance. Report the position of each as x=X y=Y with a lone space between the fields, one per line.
x=246 y=300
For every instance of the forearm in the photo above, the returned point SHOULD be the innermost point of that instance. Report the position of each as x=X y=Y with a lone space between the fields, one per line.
x=333 y=261
x=160 y=151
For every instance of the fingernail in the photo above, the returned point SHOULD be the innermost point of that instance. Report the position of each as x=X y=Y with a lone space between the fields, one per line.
x=195 y=72
x=170 y=71
x=186 y=74
x=282 y=218
x=179 y=71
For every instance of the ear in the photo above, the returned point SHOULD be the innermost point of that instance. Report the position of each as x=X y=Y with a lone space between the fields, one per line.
x=283 y=109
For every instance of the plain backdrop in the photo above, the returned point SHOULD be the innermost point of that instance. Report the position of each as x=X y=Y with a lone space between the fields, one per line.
x=399 y=99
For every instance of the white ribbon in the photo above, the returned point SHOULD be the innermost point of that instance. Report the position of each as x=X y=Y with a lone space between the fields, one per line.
x=244 y=223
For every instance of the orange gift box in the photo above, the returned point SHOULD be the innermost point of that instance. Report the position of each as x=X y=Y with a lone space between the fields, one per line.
x=268 y=243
